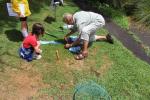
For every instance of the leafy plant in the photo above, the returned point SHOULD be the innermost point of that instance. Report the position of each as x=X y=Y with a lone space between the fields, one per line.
x=142 y=13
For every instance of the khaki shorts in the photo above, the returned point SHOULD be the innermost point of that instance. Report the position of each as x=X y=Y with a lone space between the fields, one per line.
x=88 y=32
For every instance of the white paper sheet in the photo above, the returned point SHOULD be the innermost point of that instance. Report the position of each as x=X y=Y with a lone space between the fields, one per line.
x=12 y=13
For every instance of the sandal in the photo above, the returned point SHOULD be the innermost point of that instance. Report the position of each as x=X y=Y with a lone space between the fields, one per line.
x=79 y=57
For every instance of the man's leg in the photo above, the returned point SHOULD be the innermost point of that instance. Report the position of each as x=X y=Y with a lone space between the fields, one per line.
x=107 y=38
x=84 y=52
x=100 y=37
x=85 y=48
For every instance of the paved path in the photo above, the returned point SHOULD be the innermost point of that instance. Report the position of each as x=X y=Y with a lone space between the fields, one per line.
x=127 y=40
x=143 y=35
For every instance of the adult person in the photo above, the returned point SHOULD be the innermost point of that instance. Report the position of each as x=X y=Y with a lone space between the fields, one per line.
x=86 y=23
x=21 y=7
x=55 y=2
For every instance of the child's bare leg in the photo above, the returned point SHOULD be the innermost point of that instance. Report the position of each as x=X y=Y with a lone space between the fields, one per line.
x=24 y=28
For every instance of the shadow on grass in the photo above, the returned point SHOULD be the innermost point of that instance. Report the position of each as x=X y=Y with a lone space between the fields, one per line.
x=87 y=6
x=14 y=35
x=6 y=20
x=4 y=62
x=49 y=19
x=37 y=5
x=57 y=36
x=83 y=4
x=61 y=41
x=53 y=36
x=2 y=69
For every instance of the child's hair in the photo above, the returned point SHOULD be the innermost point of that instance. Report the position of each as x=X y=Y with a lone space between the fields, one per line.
x=37 y=29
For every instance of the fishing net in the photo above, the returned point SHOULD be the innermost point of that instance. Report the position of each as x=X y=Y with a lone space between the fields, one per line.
x=90 y=91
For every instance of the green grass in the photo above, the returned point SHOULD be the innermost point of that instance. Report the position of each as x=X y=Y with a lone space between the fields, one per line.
x=115 y=14
x=120 y=19
x=124 y=76
x=146 y=49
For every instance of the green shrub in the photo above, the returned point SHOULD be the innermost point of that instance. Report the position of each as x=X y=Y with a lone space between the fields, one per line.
x=142 y=13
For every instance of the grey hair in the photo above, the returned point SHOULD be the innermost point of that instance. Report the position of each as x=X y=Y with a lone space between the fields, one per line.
x=66 y=16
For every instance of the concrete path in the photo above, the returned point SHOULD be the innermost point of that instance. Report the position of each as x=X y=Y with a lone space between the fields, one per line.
x=127 y=40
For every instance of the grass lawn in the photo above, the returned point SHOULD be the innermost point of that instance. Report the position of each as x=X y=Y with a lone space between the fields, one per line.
x=124 y=76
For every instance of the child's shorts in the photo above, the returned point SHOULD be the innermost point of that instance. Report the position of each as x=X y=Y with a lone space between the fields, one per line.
x=26 y=53
x=23 y=18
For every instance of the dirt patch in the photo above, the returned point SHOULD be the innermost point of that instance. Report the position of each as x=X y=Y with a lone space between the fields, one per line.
x=74 y=64
x=93 y=51
x=26 y=86
x=104 y=67
x=45 y=97
x=20 y=85
x=80 y=65
x=25 y=66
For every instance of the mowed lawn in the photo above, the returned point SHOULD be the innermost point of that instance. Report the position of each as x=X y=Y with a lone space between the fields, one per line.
x=124 y=76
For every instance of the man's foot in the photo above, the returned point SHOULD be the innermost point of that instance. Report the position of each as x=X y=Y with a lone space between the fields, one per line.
x=109 y=38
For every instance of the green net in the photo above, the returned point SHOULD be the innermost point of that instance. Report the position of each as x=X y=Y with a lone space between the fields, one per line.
x=90 y=91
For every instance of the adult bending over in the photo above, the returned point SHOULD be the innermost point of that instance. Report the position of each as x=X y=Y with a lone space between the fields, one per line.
x=86 y=23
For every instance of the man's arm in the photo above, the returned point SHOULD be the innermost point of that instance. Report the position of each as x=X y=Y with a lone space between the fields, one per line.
x=85 y=48
x=67 y=35
x=76 y=42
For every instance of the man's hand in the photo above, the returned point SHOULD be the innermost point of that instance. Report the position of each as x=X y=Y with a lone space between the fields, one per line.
x=67 y=35
x=85 y=53
x=66 y=39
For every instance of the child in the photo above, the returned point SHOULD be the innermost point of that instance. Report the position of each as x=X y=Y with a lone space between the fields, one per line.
x=31 y=46
x=21 y=7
